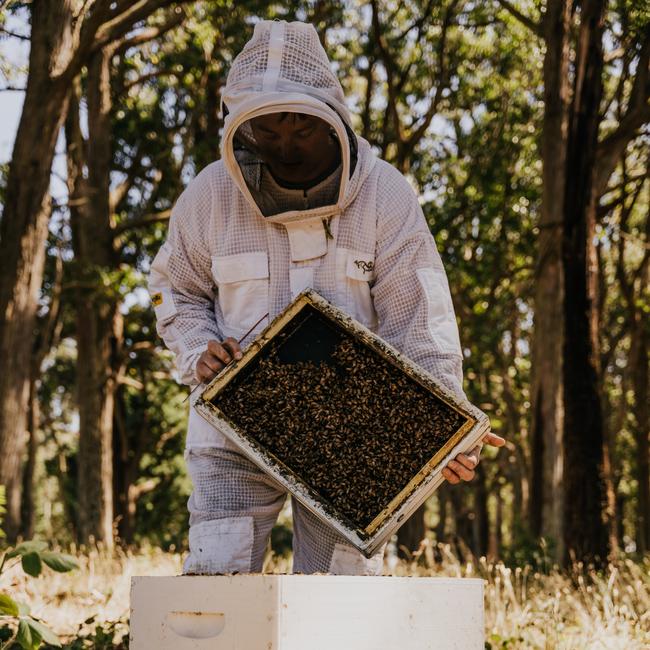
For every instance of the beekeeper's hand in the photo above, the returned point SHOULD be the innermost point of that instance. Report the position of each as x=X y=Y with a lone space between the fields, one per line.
x=462 y=468
x=217 y=356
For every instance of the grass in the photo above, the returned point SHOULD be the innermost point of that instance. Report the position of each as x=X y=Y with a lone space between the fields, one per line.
x=581 y=609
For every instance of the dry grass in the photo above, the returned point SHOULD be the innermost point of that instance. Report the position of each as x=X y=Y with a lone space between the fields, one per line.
x=523 y=608
x=583 y=609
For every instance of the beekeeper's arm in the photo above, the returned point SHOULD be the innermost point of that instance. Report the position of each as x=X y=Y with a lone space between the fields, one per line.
x=410 y=293
x=182 y=289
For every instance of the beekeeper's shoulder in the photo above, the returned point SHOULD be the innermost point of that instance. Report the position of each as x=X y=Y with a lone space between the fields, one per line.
x=199 y=197
x=394 y=191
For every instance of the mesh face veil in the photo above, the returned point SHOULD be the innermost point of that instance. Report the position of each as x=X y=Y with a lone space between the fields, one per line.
x=284 y=69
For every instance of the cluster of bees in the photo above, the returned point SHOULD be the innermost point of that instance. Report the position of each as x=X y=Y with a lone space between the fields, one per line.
x=355 y=429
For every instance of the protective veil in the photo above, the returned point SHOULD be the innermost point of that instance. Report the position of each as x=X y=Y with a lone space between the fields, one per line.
x=239 y=248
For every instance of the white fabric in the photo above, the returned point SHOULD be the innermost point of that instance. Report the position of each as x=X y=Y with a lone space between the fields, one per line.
x=231 y=493
x=347 y=561
x=210 y=277
x=220 y=546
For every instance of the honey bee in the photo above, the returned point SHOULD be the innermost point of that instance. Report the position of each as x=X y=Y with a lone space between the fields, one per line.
x=354 y=429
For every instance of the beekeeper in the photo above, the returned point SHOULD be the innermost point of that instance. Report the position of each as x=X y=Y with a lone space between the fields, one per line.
x=297 y=200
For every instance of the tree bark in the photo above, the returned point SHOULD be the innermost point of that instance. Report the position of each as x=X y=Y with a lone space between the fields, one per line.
x=411 y=534
x=99 y=321
x=642 y=416
x=481 y=520
x=28 y=510
x=585 y=533
x=639 y=368
x=547 y=409
x=23 y=232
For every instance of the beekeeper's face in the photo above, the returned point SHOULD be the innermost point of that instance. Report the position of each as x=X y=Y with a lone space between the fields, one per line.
x=298 y=148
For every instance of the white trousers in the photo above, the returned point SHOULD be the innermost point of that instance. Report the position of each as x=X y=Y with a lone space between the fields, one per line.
x=233 y=508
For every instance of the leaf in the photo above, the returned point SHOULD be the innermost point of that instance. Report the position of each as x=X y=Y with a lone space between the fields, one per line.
x=33 y=546
x=27 y=638
x=59 y=561
x=8 y=606
x=23 y=608
x=32 y=564
x=43 y=632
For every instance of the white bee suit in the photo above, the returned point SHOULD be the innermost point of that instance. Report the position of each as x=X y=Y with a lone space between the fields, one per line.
x=230 y=258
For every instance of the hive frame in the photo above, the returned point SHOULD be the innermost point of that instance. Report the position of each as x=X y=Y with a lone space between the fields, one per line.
x=421 y=486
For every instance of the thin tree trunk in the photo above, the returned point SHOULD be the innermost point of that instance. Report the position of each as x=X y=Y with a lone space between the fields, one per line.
x=99 y=321
x=585 y=533
x=28 y=513
x=411 y=534
x=639 y=368
x=481 y=521
x=441 y=527
x=547 y=410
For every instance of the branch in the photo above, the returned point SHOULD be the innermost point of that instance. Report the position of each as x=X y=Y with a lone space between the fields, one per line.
x=145 y=220
x=22 y=37
x=389 y=65
x=125 y=380
x=137 y=490
x=118 y=194
x=633 y=178
x=107 y=23
x=114 y=29
x=614 y=54
x=612 y=147
x=418 y=23
x=417 y=135
x=150 y=33
x=534 y=26
x=146 y=77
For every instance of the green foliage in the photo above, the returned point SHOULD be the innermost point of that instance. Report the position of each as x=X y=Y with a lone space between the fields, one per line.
x=110 y=635
x=29 y=632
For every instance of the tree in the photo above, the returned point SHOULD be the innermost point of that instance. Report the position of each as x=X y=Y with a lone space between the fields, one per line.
x=64 y=34
x=551 y=432
x=584 y=530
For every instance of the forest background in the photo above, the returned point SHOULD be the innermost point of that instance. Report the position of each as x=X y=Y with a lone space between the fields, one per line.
x=524 y=128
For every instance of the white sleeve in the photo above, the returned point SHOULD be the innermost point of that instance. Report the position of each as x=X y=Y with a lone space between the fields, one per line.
x=182 y=289
x=411 y=292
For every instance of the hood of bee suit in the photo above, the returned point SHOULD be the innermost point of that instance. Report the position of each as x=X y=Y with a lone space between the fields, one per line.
x=284 y=68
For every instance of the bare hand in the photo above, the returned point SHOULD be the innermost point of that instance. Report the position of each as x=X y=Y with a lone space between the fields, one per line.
x=463 y=466
x=216 y=357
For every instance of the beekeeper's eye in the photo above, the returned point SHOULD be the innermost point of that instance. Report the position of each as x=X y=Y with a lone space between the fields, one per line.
x=266 y=134
x=306 y=131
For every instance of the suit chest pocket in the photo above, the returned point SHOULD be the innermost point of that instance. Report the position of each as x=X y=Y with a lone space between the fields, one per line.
x=243 y=289
x=354 y=272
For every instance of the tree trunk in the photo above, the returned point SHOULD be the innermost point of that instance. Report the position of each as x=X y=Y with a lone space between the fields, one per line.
x=441 y=527
x=23 y=232
x=27 y=512
x=411 y=534
x=585 y=533
x=481 y=521
x=99 y=321
x=639 y=369
x=547 y=410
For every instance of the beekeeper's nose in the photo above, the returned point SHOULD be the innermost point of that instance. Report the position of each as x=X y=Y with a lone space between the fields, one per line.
x=286 y=147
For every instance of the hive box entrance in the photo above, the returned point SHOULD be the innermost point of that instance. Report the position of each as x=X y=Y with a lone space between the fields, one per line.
x=350 y=426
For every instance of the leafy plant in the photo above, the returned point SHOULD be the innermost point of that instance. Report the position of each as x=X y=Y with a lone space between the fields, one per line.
x=28 y=632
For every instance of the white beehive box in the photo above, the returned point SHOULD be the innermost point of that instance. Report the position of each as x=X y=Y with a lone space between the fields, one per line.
x=296 y=612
